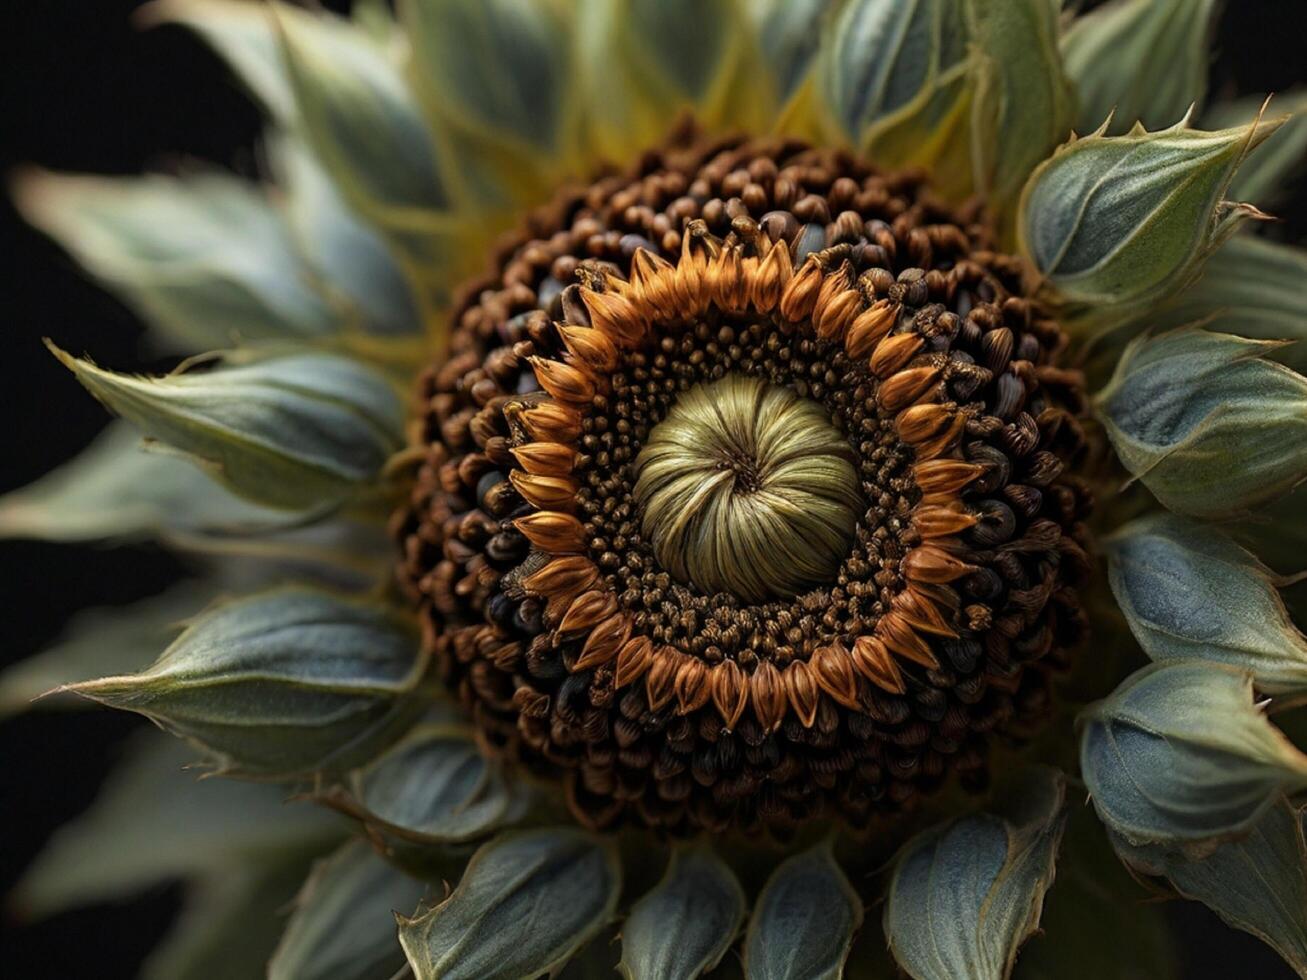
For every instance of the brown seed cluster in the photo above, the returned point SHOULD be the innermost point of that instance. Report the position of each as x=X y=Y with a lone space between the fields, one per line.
x=522 y=541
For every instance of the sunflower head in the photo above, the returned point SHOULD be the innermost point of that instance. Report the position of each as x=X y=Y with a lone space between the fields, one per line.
x=720 y=449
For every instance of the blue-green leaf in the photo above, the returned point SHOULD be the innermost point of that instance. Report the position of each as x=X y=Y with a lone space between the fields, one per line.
x=1144 y=60
x=1021 y=104
x=343 y=927
x=434 y=787
x=205 y=259
x=527 y=902
x=804 y=920
x=110 y=640
x=502 y=66
x=281 y=685
x=878 y=56
x=1190 y=593
x=1181 y=755
x=1257 y=883
x=1265 y=179
x=789 y=33
x=700 y=903
x=356 y=112
x=345 y=254
x=963 y=897
x=296 y=431
x=154 y=822
x=1116 y=222
x=1252 y=287
x=1209 y=426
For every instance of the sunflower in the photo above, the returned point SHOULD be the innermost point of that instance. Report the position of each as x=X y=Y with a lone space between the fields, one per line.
x=666 y=476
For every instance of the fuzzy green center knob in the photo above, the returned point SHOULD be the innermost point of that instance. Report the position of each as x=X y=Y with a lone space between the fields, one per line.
x=747 y=488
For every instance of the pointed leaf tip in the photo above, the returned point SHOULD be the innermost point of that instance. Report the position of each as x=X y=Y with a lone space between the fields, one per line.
x=1115 y=223
x=281 y=685
x=297 y=431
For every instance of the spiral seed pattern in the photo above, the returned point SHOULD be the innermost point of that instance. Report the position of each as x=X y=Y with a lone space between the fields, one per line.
x=748 y=489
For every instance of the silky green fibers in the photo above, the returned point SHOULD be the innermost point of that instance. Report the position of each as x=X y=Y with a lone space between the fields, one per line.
x=749 y=489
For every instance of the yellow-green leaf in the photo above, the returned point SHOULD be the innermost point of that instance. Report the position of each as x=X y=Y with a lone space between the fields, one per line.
x=1022 y=104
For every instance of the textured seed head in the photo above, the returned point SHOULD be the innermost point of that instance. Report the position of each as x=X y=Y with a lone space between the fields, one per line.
x=733 y=514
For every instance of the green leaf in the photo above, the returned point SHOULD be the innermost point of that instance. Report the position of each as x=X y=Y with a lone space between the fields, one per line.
x=359 y=115
x=878 y=57
x=1099 y=921
x=343 y=927
x=228 y=926
x=1190 y=593
x=1209 y=426
x=1180 y=755
x=281 y=685
x=463 y=48
x=295 y=431
x=154 y=822
x=356 y=112
x=1022 y=104
x=527 y=902
x=344 y=253
x=1264 y=179
x=110 y=640
x=204 y=259
x=1116 y=222
x=804 y=920
x=964 y=896
x=789 y=34
x=434 y=787
x=1251 y=287
x=700 y=903
x=1257 y=883
x=1140 y=61
x=115 y=489
x=640 y=62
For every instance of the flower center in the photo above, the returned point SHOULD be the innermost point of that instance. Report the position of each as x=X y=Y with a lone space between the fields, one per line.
x=748 y=493
x=747 y=488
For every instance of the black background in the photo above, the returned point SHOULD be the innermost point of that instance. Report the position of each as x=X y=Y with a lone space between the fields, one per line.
x=84 y=90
